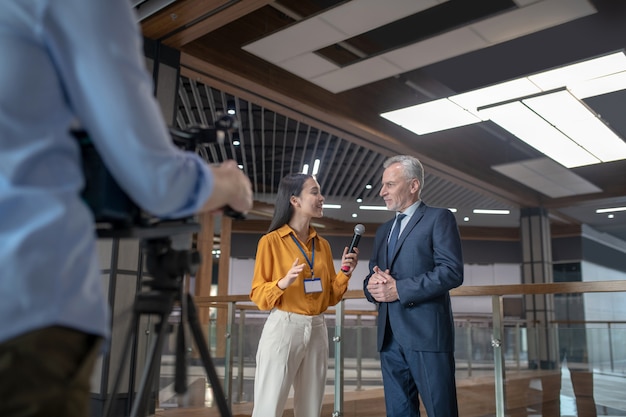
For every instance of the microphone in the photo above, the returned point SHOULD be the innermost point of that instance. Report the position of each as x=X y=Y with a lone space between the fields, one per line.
x=358 y=231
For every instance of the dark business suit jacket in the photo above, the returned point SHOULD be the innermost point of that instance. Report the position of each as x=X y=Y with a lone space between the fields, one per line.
x=427 y=264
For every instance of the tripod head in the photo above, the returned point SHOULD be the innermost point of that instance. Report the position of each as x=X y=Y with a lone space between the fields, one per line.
x=167 y=266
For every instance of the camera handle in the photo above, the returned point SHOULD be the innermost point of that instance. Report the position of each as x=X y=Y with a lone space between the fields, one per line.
x=167 y=267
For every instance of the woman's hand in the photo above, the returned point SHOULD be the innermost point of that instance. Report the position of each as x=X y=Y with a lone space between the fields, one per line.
x=292 y=274
x=349 y=260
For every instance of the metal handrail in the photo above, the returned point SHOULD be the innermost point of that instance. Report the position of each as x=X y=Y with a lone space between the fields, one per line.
x=497 y=319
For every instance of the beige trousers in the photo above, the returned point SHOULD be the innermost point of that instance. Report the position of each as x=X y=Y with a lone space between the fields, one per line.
x=293 y=351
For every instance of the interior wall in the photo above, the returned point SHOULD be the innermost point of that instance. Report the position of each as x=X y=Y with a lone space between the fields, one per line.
x=604 y=344
x=603 y=306
x=494 y=274
x=485 y=274
x=486 y=263
x=474 y=251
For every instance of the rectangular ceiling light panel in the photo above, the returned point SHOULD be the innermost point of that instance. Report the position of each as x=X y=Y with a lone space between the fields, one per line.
x=498 y=93
x=522 y=122
x=589 y=77
x=547 y=177
x=599 y=86
x=431 y=117
x=579 y=72
x=556 y=123
x=578 y=122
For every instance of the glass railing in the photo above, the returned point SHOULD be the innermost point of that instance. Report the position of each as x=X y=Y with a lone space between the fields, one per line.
x=505 y=366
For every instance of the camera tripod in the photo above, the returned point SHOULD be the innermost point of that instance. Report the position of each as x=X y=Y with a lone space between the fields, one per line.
x=165 y=290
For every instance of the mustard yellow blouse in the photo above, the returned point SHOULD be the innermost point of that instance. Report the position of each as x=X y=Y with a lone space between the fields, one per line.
x=276 y=252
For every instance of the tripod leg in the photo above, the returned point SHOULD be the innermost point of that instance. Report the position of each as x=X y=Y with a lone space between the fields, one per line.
x=180 y=380
x=130 y=337
x=140 y=405
x=198 y=337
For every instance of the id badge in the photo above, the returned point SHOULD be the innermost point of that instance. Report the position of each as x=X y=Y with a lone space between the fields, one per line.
x=312 y=285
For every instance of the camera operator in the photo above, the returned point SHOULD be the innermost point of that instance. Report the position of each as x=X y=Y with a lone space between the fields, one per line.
x=65 y=61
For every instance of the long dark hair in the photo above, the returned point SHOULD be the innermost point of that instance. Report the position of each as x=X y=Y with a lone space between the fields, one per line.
x=289 y=186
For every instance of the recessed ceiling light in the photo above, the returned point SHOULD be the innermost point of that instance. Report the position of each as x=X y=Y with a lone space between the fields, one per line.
x=610 y=210
x=316 y=167
x=332 y=206
x=379 y=208
x=466 y=219
x=487 y=211
x=231 y=108
x=355 y=215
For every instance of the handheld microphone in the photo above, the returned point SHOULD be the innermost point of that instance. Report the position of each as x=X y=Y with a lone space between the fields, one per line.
x=358 y=231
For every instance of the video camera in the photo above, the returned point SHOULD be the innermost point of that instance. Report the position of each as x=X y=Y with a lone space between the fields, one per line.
x=115 y=213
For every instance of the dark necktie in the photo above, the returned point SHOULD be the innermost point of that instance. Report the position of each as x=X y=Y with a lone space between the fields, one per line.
x=393 y=239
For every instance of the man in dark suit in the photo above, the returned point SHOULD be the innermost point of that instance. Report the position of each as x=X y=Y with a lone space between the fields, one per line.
x=411 y=285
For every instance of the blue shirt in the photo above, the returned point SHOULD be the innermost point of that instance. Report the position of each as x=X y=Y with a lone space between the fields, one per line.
x=65 y=61
x=409 y=212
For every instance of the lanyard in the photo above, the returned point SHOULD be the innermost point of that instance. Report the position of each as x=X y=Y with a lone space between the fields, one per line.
x=310 y=262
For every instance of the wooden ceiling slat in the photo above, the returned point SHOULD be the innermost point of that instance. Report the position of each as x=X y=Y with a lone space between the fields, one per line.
x=187 y=20
x=178 y=15
x=263 y=147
